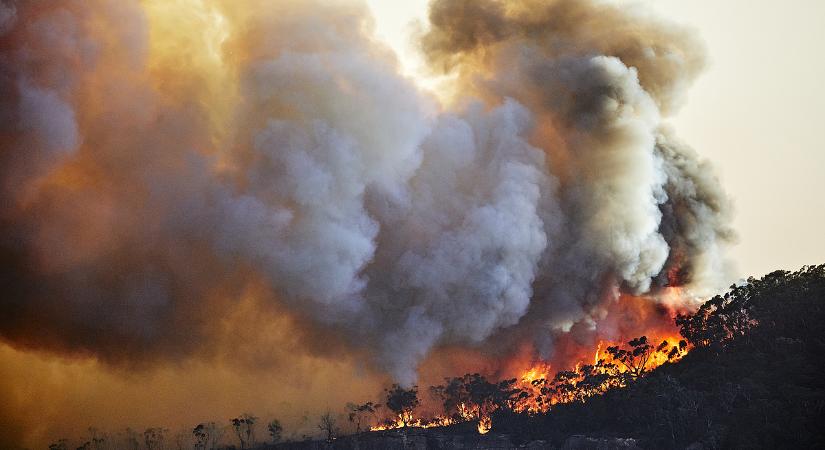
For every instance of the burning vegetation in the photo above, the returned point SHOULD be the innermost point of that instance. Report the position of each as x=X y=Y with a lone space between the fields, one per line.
x=778 y=317
x=472 y=398
x=743 y=358
x=535 y=387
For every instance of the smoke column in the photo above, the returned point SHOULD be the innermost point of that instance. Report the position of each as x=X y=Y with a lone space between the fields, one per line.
x=160 y=159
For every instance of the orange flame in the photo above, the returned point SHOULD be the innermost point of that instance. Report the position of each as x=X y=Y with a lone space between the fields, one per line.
x=627 y=318
x=535 y=379
x=485 y=425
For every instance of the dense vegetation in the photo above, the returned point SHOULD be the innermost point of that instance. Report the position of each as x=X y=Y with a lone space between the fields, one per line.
x=756 y=378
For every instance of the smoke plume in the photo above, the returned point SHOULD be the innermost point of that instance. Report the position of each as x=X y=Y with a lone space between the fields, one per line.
x=160 y=158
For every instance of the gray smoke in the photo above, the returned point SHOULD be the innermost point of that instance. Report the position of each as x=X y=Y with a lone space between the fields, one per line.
x=141 y=194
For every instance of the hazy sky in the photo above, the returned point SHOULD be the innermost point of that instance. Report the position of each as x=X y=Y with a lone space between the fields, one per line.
x=756 y=113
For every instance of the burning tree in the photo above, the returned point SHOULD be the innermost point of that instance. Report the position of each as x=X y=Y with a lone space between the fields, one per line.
x=722 y=318
x=616 y=368
x=634 y=359
x=402 y=402
x=472 y=397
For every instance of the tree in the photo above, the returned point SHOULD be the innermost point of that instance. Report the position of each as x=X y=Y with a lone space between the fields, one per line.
x=402 y=402
x=752 y=381
x=327 y=425
x=672 y=352
x=206 y=435
x=201 y=433
x=635 y=359
x=454 y=397
x=244 y=429
x=472 y=397
x=154 y=437
x=275 y=430
x=358 y=413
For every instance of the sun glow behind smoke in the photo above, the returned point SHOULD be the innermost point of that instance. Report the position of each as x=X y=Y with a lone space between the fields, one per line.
x=398 y=25
x=188 y=52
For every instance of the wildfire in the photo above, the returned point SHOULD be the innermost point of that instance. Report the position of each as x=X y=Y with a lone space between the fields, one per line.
x=484 y=425
x=408 y=420
x=611 y=368
x=537 y=372
x=414 y=422
x=585 y=371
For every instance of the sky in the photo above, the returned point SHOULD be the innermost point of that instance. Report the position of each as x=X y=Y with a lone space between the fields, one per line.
x=756 y=113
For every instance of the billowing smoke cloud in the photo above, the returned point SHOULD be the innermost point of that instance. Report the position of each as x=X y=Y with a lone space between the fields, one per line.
x=160 y=158
x=638 y=211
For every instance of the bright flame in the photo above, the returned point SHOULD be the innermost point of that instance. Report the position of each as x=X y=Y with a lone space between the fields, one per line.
x=585 y=371
x=596 y=356
x=538 y=379
x=484 y=425
x=413 y=422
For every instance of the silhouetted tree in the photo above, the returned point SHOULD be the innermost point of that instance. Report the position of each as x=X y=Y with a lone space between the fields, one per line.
x=634 y=359
x=402 y=402
x=206 y=435
x=358 y=413
x=473 y=397
x=244 y=426
x=275 y=430
x=327 y=425
x=453 y=394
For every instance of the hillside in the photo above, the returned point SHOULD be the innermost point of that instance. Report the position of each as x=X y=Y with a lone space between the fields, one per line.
x=753 y=380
